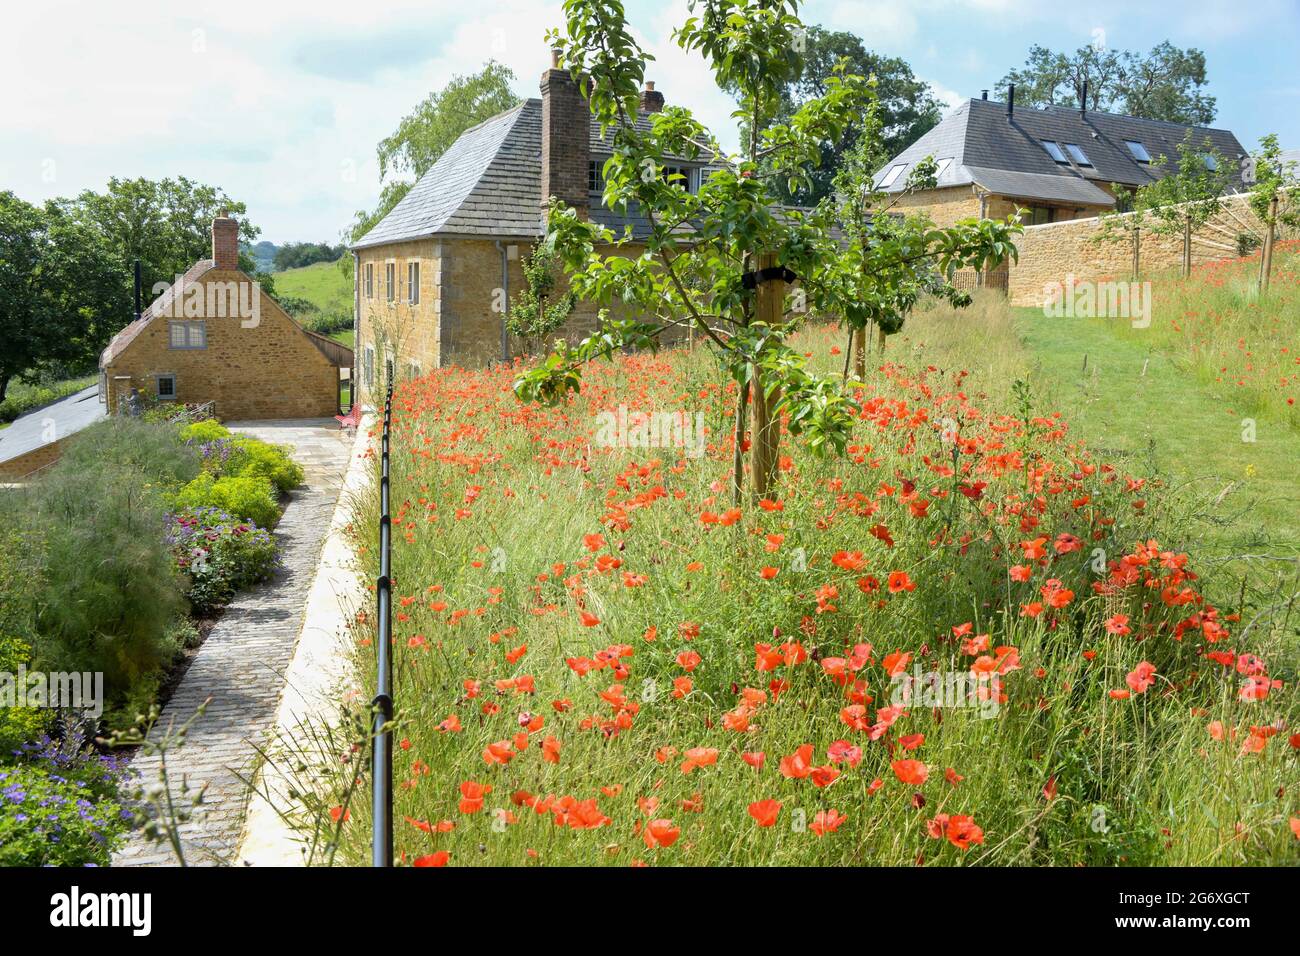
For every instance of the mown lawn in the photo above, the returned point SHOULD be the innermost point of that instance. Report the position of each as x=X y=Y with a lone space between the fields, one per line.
x=600 y=661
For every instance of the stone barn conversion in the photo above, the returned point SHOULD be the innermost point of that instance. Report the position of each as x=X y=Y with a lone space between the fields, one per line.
x=215 y=336
x=435 y=276
x=1059 y=163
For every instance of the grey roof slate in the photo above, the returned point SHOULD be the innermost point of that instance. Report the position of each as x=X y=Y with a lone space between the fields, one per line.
x=54 y=422
x=979 y=136
x=489 y=183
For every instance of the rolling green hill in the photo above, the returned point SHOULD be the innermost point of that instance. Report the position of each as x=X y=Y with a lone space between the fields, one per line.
x=320 y=297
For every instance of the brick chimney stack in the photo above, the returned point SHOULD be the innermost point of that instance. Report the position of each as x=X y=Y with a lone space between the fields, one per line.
x=651 y=100
x=566 y=149
x=225 y=242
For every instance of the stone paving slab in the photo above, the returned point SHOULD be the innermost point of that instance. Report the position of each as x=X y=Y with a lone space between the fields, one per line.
x=242 y=664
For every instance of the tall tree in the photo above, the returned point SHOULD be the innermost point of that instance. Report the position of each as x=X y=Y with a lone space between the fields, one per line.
x=907 y=107
x=1165 y=84
x=428 y=131
x=63 y=290
x=166 y=224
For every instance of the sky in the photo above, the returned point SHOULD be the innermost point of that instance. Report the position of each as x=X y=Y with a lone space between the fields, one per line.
x=282 y=102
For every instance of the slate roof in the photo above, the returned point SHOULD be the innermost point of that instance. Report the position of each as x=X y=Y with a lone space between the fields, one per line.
x=1005 y=154
x=489 y=183
x=58 y=419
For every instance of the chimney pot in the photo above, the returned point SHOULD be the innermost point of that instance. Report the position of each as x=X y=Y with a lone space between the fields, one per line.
x=984 y=94
x=225 y=242
x=652 y=101
x=1011 y=100
x=555 y=58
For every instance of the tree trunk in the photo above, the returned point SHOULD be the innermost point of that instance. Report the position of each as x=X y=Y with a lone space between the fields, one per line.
x=1266 y=261
x=860 y=353
x=4 y=386
x=738 y=457
x=767 y=426
x=882 y=340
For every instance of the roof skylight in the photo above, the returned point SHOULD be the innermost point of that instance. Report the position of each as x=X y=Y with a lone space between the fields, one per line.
x=1054 y=151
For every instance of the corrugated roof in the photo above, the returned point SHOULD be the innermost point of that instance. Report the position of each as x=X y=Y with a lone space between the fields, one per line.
x=980 y=136
x=52 y=423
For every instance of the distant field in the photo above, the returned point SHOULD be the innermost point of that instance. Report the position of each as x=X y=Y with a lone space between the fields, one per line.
x=327 y=287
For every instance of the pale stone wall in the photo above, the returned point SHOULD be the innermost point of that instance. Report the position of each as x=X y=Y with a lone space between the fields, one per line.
x=1050 y=253
x=267 y=370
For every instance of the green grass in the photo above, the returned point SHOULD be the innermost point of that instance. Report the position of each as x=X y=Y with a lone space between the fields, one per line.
x=1132 y=400
x=323 y=284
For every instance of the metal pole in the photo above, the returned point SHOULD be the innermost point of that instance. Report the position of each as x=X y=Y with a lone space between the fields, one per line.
x=382 y=769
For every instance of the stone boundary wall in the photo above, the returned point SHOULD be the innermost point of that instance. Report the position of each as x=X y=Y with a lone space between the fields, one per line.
x=1050 y=252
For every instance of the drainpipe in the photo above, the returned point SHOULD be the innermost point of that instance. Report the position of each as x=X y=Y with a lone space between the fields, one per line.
x=356 y=329
x=505 y=306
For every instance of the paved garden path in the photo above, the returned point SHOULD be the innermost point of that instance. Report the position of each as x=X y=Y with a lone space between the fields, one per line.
x=241 y=665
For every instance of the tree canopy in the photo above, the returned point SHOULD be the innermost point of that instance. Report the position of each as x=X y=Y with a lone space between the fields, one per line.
x=428 y=131
x=62 y=290
x=1166 y=84
x=907 y=107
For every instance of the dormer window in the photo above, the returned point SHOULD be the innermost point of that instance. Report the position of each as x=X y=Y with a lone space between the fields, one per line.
x=1054 y=151
x=1138 y=150
x=1077 y=154
x=891 y=177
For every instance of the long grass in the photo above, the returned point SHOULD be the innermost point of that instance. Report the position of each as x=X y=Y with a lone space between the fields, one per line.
x=554 y=594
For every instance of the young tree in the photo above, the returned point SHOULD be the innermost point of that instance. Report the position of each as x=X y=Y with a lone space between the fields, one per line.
x=718 y=260
x=1188 y=196
x=428 y=131
x=535 y=311
x=63 y=291
x=1274 y=197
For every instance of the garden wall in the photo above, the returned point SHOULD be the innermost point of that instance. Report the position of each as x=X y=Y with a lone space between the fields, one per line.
x=1049 y=253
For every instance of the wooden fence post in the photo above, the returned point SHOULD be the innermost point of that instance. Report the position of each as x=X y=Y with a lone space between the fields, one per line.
x=1187 y=246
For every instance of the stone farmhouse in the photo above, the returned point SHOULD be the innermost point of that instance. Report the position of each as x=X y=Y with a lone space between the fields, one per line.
x=215 y=336
x=1058 y=163
x=435 y=276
